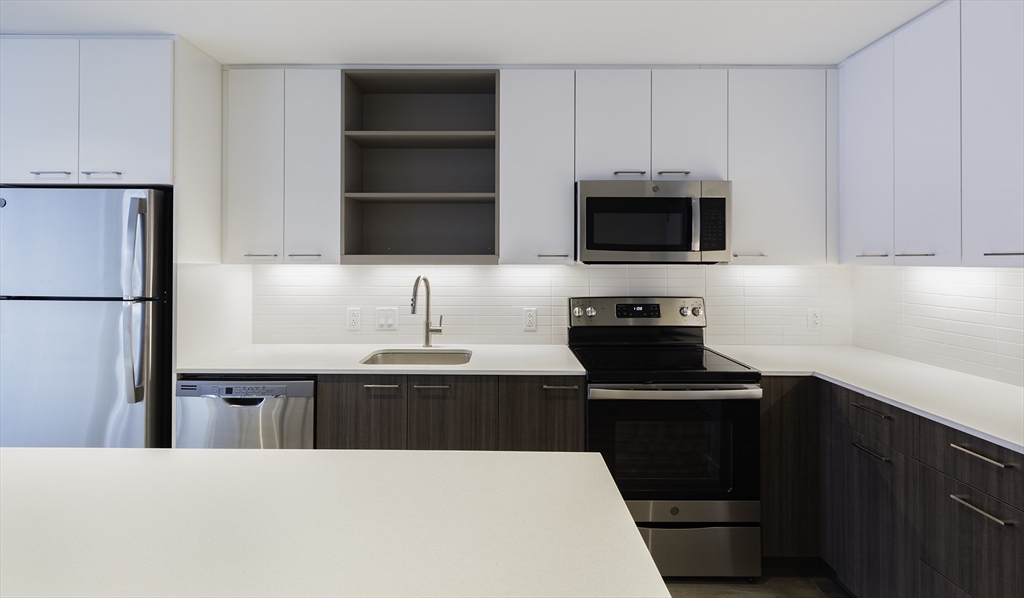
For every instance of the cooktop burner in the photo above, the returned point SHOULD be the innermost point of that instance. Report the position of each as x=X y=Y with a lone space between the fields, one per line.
x=656 y=359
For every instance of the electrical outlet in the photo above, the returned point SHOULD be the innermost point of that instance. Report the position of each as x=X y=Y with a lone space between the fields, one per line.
x=353 y=320
x=529 y=318
x=387 y=318
x=814 y=319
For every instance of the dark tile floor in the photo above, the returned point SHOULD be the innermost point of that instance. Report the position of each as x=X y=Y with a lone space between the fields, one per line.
x=783 y=583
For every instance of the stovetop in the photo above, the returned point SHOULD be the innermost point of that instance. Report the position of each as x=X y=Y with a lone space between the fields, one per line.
x=662 y=364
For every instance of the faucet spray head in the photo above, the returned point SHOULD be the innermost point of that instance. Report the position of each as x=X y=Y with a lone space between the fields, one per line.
x=415 y=291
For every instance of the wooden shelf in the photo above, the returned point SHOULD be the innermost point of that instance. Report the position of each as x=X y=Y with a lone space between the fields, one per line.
x=422 y=139
x=424 y=197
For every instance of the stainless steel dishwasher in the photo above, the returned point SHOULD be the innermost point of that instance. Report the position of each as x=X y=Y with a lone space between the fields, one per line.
x=253 y=413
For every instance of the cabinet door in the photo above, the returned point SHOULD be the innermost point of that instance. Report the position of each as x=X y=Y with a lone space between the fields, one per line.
x=992 y=59
x=690 y=124
x=312 y=166
x=536 y=194
x=254 y=201
x=127 y=107
x=541 y=413
x=866 y=157
x=453 y=413
x=613 y=124
x=38 y=111
x=777 y=165
x=361 y=412
x=927 y=139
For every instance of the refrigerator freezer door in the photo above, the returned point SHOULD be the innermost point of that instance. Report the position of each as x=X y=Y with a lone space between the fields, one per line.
x=68 y=372
x=75 y=242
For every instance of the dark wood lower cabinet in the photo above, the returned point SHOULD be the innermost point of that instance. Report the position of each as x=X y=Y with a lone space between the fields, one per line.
x=541 y=413
x=453 y=412
x=361 y=412
x=933 y=585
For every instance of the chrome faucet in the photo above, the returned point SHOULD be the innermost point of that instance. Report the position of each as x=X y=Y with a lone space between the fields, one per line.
x=427 y=328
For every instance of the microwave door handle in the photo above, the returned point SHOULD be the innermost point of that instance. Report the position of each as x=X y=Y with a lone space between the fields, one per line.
x=695 y=222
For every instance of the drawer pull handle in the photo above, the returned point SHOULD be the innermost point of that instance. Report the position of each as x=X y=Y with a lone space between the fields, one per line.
x=260 y=255
x=915 y=255
x=977 y=510
x=750 y=255
x=552 y=255
x=381 y=386
x=997 y=254
x=42 y=172
x=872 y=453
x=871 y=411
x=873 y=255
x=92 y=172
x=686 y=172
x=432 y=386
x=630 y=172
x=304 y=255
x=550 y=387
x=982 y=457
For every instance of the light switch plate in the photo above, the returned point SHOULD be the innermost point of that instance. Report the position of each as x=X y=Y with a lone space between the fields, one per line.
x=530 y=318
x=353 y=319
x=387 y=318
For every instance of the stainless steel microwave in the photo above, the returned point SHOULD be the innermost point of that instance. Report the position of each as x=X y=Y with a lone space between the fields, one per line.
x=653 y=222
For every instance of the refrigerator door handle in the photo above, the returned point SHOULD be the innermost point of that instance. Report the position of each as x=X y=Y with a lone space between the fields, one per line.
x=136 y=349
x=129 y=250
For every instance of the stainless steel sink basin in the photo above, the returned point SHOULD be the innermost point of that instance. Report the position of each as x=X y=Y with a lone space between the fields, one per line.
x=418 y=357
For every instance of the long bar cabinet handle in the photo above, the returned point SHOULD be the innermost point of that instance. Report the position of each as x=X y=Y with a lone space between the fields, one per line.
x=872 y=453
x=630 y=172
x=750 y=255
x=997 y=254
x=977 y=510
x=982 y=457
x=553 y=387
x=871 y=411
x=873 y=255
x=915 y=255
x=261 y=255
x=305 y=255
x=686 y=172
x=91 y=172
x=552 y=255
x=42 y=172
x=433 y=386
x=381 y=385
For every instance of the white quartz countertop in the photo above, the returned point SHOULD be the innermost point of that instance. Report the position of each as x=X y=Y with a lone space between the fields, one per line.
x=218 y=522
x=991 y=410
x=541 y=360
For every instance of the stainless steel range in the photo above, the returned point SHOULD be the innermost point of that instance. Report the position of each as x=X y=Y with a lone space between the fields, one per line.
x=678 y=425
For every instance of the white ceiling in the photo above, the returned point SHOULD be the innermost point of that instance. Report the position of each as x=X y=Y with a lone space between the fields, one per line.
x=486 y=32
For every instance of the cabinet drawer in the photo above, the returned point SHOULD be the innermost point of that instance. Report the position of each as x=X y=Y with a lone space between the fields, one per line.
x=879 y=421
x=541 y=413
x=933 y=585
x=361 y=412
x=970 y=538
x=986 y=466
x=453 y=413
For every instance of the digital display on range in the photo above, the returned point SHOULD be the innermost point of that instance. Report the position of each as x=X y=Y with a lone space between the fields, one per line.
x=637 y=310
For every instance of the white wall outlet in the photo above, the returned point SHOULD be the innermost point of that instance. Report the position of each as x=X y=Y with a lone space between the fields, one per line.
x=387 y=318
x=353 y=320
x=529 y=318
x=814 y=319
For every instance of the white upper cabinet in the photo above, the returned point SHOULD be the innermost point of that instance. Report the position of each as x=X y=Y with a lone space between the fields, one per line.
x=613 y=124
x=254 y=167
x=777 y=165
x=126 y=107
x=536 y=186
x=312 y=166
x=38 y=111
x=690 y=124
x=927 y=139
x=993 y=132
x=866 y=150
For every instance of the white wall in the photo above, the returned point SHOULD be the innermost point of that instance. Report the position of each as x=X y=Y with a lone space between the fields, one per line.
x=965 y=319
x=213 y=310
x=484 y=304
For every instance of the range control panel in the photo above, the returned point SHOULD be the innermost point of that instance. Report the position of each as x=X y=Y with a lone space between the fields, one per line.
x=637 y=311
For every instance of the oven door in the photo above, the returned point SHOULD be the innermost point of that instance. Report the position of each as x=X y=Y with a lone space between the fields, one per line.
x=678 y=442
x=639 y=221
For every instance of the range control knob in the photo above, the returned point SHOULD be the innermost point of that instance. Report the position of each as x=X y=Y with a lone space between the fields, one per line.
x=577 y=311
x=684 y=311
x=591 y=312
x=697 y=311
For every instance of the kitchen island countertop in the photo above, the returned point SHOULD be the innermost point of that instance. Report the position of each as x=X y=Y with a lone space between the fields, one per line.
x=180 y=522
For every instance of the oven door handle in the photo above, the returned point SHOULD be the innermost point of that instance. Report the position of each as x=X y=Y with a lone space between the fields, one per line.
x=673 y=395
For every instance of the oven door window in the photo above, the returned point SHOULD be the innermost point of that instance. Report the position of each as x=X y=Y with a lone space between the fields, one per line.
x=679 y=450
x=639 y=224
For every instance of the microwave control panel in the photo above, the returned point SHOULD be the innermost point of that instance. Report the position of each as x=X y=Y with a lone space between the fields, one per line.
x=637 y=311
x=712 y=224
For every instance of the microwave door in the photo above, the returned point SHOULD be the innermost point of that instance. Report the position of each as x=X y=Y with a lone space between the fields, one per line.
x=638 y=230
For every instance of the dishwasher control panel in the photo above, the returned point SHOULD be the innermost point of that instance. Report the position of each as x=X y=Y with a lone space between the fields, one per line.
x=244 y=388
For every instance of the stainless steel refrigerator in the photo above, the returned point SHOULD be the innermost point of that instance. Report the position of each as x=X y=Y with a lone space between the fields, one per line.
x=85 y=317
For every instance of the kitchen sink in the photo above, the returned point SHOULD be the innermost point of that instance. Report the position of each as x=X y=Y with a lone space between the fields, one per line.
x=418 y=357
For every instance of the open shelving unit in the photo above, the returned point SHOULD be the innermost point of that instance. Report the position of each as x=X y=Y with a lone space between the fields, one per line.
x=420 y=167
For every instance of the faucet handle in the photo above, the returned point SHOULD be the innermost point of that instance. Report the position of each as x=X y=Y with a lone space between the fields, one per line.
x=436 y=329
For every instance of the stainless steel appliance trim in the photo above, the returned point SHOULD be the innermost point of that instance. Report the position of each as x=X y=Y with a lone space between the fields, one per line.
x=43 y=172
x=695 y=511
x=739 y=391
x=92 y=172
x=915 y=255
x=873 y=255
x=381 y=385
x=695 y=222
x=871 y=411
x=555 y=387
x=686 y=172
x=604 y=311
x=977 y=510
x=982 y=457
x=705 y=551
x=872 y=453
x=260 y=255
x=431 y=386
x=1002 y=254
x=630 y=172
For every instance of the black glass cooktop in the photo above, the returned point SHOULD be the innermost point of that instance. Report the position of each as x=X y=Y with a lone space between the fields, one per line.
x=661 y=363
